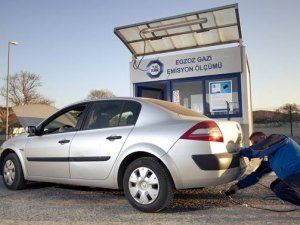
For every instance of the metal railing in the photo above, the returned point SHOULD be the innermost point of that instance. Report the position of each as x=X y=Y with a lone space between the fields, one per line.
x=282 y=123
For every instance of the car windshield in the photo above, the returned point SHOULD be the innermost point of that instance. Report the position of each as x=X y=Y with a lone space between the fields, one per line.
x=179 y=109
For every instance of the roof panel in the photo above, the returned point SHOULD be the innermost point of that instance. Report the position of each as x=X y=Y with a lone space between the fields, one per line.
x=208 y=38
x=162 y=45
x=224 y=17
x=194 y=30
x=228 y=34
x=184 y=41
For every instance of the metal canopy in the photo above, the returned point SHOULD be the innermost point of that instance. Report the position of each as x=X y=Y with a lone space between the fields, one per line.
x=194 y=30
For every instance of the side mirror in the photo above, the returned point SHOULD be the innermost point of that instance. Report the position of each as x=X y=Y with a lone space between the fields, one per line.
x=31 y=130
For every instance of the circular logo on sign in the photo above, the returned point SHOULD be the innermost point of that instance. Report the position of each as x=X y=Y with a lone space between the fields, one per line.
x=155 y=68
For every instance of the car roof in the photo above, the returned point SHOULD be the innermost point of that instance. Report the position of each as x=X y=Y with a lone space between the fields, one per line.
x=162 y=104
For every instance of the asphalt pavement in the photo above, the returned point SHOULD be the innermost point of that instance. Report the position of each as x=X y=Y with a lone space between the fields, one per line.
x=43 y=204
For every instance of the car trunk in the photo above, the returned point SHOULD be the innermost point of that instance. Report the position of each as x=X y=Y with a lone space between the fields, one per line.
x=232 y=135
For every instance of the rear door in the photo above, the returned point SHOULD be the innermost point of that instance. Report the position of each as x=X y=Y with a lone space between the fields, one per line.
x=95 y=149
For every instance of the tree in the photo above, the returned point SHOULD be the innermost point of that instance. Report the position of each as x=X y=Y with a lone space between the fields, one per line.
x=23 y=89
x=289 y=112
x=289 y=108
x=96 y=94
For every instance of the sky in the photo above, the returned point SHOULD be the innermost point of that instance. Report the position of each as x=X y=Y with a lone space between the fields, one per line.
x=72 y=46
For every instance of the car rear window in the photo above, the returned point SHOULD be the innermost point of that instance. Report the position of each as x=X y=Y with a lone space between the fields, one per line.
x=179 y=109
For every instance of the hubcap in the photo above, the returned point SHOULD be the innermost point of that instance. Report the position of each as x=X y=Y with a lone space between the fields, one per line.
x=9 y=172
x=143 y=185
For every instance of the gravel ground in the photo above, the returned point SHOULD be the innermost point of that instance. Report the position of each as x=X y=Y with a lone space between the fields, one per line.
x=45 y=204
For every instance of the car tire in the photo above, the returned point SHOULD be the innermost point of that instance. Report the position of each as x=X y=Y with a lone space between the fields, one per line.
x=13 y=177
x=147 y=185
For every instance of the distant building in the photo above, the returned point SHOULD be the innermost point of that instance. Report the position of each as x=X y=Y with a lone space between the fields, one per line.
x=23 y=116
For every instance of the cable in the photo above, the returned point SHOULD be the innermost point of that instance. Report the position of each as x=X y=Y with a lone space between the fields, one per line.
x=137 y=67
x=3 y=196
x=264 y=186
x=273 y=197
x=262 y=208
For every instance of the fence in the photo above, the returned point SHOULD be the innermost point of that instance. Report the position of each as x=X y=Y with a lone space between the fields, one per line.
x=280 y=128
x=271 y=122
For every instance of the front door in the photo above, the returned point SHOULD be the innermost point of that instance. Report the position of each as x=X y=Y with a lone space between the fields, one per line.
x=47 y=153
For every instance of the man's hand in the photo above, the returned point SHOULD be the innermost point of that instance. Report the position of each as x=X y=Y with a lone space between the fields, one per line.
x=232 y=190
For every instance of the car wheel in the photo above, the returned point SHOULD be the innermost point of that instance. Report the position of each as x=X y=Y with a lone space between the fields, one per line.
x=13 y=177
x=148 y=185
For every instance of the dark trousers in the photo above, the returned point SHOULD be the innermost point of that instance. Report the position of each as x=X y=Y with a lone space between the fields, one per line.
x=288 y=189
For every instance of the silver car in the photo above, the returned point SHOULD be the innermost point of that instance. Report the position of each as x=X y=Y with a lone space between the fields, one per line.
x=147 y=147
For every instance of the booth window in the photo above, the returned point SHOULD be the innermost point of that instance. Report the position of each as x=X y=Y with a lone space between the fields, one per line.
x=188 y=94
x=223 y=97
x=217 y=96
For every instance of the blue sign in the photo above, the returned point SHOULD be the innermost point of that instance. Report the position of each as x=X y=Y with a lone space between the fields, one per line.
x=220 y=87
x=155 y=68
x=220 y=95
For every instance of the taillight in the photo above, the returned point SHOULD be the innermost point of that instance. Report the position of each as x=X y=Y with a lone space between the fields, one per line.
x=204 y=131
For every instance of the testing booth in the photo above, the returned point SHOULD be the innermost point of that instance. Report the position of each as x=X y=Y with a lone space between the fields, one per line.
x=197 y=60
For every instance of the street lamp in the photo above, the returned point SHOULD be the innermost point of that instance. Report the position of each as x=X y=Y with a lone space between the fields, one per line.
x=7 y=85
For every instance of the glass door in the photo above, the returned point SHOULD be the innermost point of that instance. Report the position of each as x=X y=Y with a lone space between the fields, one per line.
x=157 y=90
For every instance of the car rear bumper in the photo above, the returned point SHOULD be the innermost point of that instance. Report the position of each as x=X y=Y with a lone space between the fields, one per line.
x=221 y=161
x=196 y=165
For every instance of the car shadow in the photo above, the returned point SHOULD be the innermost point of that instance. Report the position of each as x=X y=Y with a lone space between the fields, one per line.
x=90 y=189
x=198 y=199
x=38 y=185
x=183 y=201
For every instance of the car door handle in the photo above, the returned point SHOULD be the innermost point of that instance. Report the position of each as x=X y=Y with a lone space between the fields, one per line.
x=113 y=137
x=64 y=141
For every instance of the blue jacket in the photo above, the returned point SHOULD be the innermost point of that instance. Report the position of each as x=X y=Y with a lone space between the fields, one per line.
x=283 y=154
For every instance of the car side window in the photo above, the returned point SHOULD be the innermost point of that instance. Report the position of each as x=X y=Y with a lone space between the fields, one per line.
x=130 y=113
x=106 y=114
x=66 y=122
